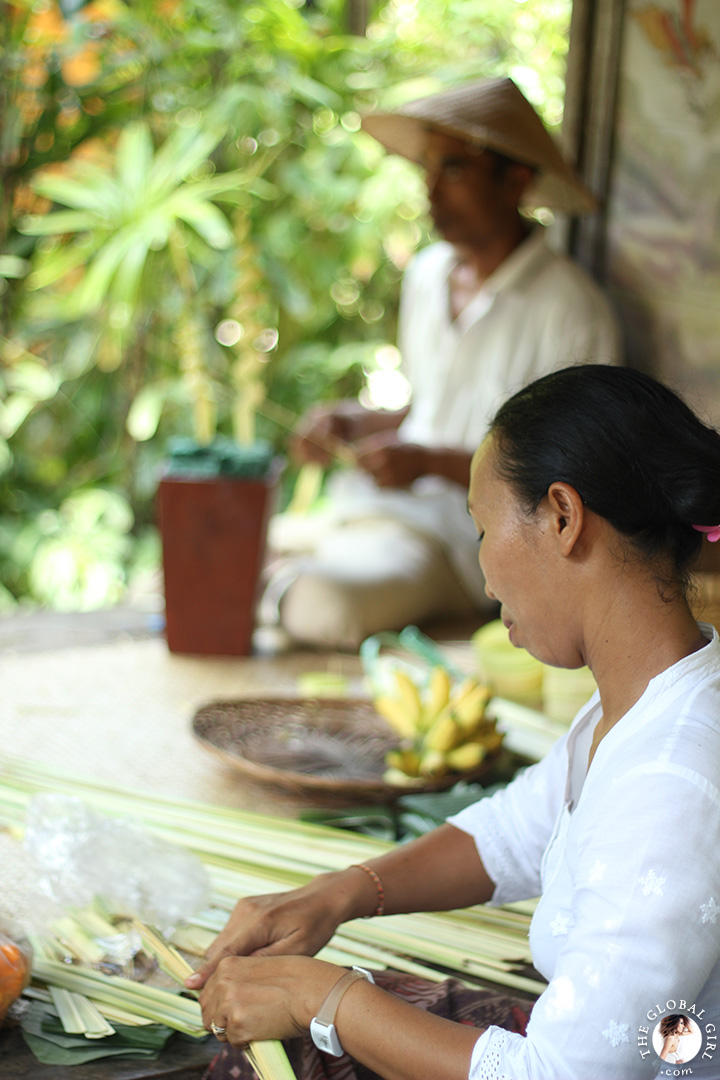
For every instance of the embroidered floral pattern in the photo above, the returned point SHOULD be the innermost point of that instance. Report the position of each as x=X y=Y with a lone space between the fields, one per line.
x=612 y=952
x=560 y=924
x=616 y=1034
x=652 y=884
x=597 y=873
x=710 y=911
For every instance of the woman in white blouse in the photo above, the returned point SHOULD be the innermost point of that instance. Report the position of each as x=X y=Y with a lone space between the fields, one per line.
x=672 y=1028
x=590 y=495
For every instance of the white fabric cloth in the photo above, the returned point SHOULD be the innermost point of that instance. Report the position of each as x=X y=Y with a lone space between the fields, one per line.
x=537 y=312
x=625 y=860
x=367 y=575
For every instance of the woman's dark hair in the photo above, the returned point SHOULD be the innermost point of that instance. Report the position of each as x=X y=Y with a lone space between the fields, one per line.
x=668 y=1024
x=634 y=452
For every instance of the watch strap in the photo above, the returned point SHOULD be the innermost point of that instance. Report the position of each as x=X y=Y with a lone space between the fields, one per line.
x=326 y=1012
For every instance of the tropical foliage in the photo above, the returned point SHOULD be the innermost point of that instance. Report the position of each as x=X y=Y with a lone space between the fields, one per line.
x=195 y=235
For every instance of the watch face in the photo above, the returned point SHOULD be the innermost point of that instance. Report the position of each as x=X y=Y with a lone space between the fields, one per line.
x=326 y=1038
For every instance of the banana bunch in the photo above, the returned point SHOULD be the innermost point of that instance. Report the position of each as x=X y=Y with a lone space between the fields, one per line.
x=443 y=730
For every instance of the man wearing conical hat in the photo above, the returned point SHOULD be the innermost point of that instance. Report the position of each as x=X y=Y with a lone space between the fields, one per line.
x=485 y=310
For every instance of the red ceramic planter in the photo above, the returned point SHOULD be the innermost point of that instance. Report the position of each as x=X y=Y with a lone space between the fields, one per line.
x=213 y=541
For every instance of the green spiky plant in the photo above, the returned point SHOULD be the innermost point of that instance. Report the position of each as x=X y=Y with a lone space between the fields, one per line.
x=132 y=247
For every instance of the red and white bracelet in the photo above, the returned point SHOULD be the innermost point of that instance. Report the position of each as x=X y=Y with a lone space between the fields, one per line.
x=380 y=909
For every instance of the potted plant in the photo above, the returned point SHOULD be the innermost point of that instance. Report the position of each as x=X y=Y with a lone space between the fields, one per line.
x=142 y=237
x=214 y=503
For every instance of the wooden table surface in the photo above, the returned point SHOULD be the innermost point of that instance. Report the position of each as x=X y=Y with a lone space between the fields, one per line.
x=99 y=694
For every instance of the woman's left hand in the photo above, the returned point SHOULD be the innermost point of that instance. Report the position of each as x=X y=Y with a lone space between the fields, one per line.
x=266 y=997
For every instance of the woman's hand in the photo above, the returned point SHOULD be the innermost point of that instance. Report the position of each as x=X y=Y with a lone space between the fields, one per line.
x=276 y=997
x=297 y=923
x=301 y=922
x=257 y=998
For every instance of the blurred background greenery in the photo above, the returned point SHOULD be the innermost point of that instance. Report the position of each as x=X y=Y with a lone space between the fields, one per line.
x=195 y=235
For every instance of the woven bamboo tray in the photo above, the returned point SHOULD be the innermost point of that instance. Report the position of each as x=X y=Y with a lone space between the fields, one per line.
x=325 y=750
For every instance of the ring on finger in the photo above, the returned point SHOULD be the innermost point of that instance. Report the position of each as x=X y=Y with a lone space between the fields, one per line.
x=218 y=1032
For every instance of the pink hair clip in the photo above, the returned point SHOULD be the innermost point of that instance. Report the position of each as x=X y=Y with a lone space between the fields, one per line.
x=711 y=531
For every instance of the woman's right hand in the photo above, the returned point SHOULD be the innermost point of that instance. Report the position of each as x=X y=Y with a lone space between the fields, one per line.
x=296 y=923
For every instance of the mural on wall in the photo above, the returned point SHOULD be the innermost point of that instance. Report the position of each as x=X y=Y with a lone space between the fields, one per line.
x=663 y=224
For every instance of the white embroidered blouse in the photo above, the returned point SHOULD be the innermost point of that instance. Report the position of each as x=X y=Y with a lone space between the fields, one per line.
x=626 y=860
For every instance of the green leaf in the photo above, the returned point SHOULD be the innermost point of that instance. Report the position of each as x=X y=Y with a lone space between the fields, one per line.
x=57 y=222
x=134 y=158
x=178 y=156
x=55 y=265
x=314 y=93
x=207 y=220
x=93 y=288
x=263 y=189
x=31 y=378
x=145 y=412
x=81 y=193
x=221 y=182
x=126 y=284
x=11 y=266
x=14 y=412
x=79 y=353
x=52 y=1046
x=6 y=461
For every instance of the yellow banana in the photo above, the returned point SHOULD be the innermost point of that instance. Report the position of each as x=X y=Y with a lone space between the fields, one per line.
x=465 y=757
x=466 y=687
x=397 y=776
x=444 y=734
x=396 y=714
x=470 y=709
x=438 y=695
x=407 y=761
x=479 y=731
x=491 y=740
x=409 y=695
x=433 y=763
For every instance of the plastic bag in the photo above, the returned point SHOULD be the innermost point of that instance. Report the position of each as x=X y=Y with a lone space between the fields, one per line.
x=15 y=965
x=410 y=651
x=80 y=854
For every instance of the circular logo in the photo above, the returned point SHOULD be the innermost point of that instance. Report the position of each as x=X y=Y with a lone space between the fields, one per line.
x=677 y=1039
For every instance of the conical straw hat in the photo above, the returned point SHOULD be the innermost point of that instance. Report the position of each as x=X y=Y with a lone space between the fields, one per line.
x=492 y=113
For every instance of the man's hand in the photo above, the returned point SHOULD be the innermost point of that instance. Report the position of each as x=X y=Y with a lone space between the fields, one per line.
x=318 y=435
x=329 y=432
x=390 y=462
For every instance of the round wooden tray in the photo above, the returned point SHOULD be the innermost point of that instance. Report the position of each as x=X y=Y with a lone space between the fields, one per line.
x=329 y=750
